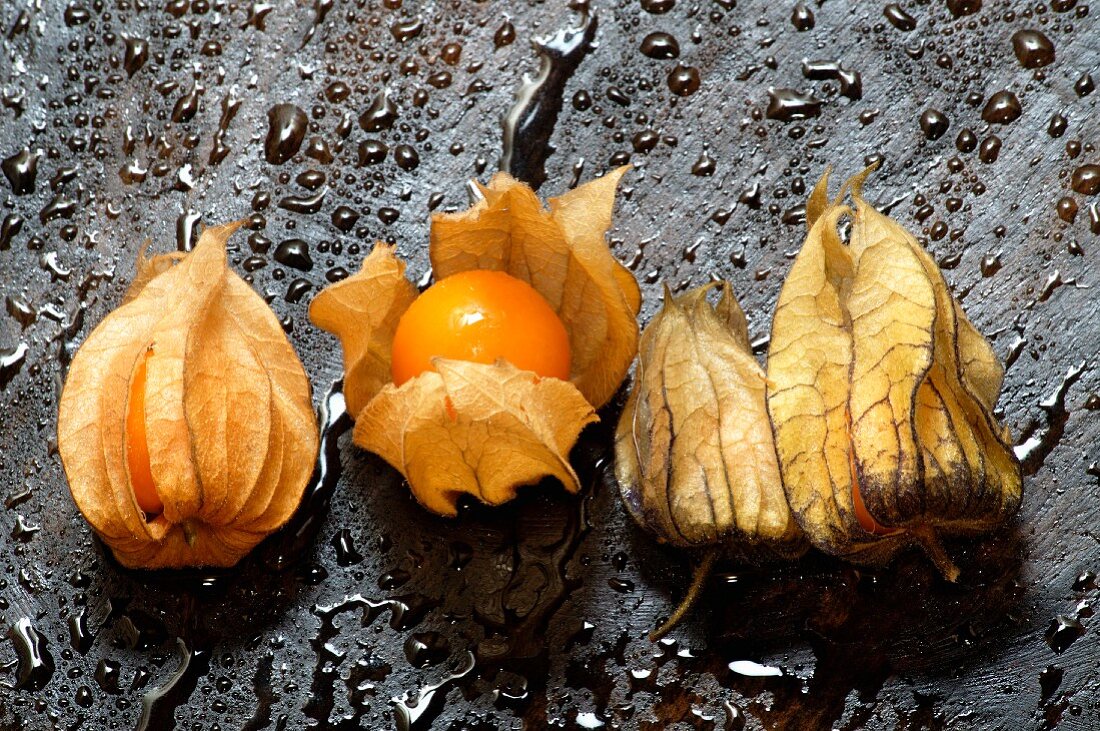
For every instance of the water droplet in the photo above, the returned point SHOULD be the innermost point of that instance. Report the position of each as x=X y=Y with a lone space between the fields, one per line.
x=310 y=179
x=505 y=35
x=59 y=207
x=381 y=114
x=9 y=229
x=683 y=80
x=21 y=170
x=158 y=706
x=645 y=141
x=660 y=45
x=76 y=15
x=317 y=149
x=851 y=82
x=287 y=126
x=990 y=264
x=789 y=104
x=966 y=141
x=898 y=18
x=421 y=713
x=187 y=105
x=294 y=253
x=1084 y=85
x=406 y=30
x=704 y=166
x=11 y=362
x=1032 y=48
x=1058 y=125
x=424 y=649
x=372 y=152
x=1002 y=108
x=344 y=218
x=1049 y=680
x=35 y=663
x=1086 y=179
x=658 y=7
x=346 y=553
x=22 y=530
x=406 y=157
x=802 y=18
x=1086 y=581
x=107 y=674
x=304 y=204
x=80 y=637
x=528 y=125
x=394 y=579
x=1063 y=632
x=990 y=149
x=934 y=123
x=1066 y=209
x=960 y=8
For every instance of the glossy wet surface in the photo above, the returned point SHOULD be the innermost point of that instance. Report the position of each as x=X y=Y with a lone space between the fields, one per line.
x=329 y=124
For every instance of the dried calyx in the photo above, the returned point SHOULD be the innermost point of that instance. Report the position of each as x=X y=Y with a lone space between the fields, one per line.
x=881 y=394
x=695 y=458
x=186 y=427
x=873 y=430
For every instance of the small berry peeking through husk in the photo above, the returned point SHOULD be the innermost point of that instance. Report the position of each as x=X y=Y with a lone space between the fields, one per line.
x=186 y=427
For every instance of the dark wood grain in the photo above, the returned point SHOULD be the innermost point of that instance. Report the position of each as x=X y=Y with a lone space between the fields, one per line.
x=535 y=614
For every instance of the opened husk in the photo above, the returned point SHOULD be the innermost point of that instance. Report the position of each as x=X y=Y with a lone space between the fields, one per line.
x=230 y=429
x=881 y=394
x=483 y=429
x=561 y=252
x=364 y=310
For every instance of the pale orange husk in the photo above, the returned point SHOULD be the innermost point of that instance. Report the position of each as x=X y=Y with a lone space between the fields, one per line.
x=363 y=310
x=231 y=432
x=488 y=429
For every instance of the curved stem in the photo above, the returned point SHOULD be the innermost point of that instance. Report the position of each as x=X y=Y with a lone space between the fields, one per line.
x=932 y=546
x=698 y=581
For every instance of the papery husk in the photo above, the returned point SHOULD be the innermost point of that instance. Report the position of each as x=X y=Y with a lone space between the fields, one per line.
x=695 y=458
x=484 y=430
x=877 y=380
x=363 y=311
x=231 y=432
x=562 y=252
x=444 y=429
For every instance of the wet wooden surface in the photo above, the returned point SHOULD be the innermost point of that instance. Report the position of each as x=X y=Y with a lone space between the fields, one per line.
x=145 y=118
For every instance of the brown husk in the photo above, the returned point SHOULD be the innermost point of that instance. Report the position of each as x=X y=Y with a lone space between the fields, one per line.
x=695 y=459
x=877 y=382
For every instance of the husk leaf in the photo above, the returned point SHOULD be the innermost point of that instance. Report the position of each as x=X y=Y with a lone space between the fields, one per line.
x=363 y=311
x=485 y=430
x=695 y=458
